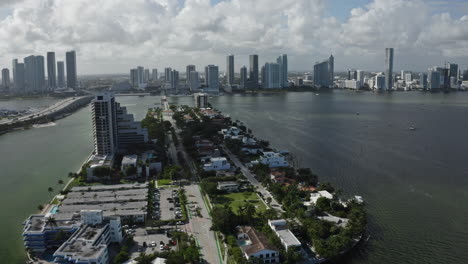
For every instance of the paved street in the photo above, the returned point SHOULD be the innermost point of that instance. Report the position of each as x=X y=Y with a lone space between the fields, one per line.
x=200 y=227
x=252 y=179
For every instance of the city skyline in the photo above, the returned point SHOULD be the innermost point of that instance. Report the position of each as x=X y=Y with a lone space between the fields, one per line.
x=434 y=35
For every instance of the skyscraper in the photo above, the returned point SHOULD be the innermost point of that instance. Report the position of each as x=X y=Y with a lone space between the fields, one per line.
x=146 y=76
x=389 y=69
x=141 y=74
x=154 y=75
x=60 y=74
x=194 y=79
x=230 y=69
x=113 y=127
x=104 y=119
x=167 y=75
x=70 y=58
x=283 y=63
x=433 y=78
x=324 y=73
x=272 y=77
x=212 y=78
x=134 y=78
x=20 y=78
x=189 y=69
x=423 y=80
x=465 y=75
x=253 y=71
x=51 y=71
x=243 y=77
x=6 y=79
x=360 y=77
x=34 y=73
x=174 y=79
x=14 y=64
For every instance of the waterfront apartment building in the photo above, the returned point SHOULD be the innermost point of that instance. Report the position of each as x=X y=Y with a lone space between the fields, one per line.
x=60 y=74
x=389 y=69
x=134 y=78
x=34 y=73
x=324 y=73
x=174 y=80
x=212 y=78
x=154 y=75
x=51 y=71
x=104 y=119
x=6 y=79
x=129 y=131
x=70 y=58
x=194 y=81
x=423 y=80
x=140 y=74
x=271 y=76
x=18 y=77
x=253 y=72
x=380 y=82
x=146 y=76
x=434 y=80
x=167 y=75
x=230 y=69
x=78 y=238
x=190 y=68
x=201 y=100
x=283 y=65
x=243 y=77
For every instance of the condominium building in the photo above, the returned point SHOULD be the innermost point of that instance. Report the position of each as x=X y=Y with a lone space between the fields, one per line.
x=201 y=100
x=230 y=69
x=194 y=81
x=60 y=74
x=324 y=73
x=212 y=78
x=389 y=69
x=51 y=71
x=70 y=58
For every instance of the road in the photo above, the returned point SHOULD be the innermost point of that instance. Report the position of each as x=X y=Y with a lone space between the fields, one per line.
x=252 y=179
x=49 y=110
x=199 y=227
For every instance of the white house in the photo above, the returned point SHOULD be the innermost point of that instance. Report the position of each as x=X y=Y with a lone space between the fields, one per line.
x=231 y=132
x=316 y=195
x=272 y=159
x=255 y=244
x=287 y=238
x=229 y=186
x=217 y=164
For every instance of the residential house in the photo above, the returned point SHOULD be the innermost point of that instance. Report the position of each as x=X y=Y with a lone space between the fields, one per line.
x=256 y=245
x=229 y=186
x=287 y=238
x=217 y=164
x=314 y=196
x=272 y=159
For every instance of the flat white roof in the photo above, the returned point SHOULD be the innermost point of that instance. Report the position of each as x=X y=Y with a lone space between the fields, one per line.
x=288 y=238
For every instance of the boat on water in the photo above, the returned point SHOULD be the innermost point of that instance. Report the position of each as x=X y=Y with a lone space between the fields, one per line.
x=411 y=128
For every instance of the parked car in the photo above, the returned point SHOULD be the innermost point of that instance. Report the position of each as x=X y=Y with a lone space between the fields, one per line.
x=153 y=244
x=161 y=247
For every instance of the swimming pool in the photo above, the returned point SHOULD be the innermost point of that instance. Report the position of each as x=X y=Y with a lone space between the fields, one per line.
x=54 y=210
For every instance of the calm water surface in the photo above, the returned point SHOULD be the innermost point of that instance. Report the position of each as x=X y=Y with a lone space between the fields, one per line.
x=414 y=182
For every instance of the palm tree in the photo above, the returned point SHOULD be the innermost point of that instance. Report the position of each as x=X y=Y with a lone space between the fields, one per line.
x=70 y=174
x=60 y=182
x=50 y=189
x=40 y=207
x=51 y=221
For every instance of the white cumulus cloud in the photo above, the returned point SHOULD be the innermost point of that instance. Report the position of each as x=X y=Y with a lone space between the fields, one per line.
x=114 y=35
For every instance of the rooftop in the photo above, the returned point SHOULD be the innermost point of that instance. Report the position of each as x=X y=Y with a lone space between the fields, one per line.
x=82 y=245
x=258 y=241
x=129 y=160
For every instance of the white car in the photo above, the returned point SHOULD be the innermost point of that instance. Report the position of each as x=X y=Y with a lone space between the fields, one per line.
x=161 y=247
x=153 y=244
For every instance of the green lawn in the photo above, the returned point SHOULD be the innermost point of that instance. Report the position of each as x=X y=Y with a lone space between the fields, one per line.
x=236 y=200
x=164 y=182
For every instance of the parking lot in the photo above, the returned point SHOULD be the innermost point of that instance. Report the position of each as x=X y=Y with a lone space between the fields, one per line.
x=169 y=207
x=152 y=241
